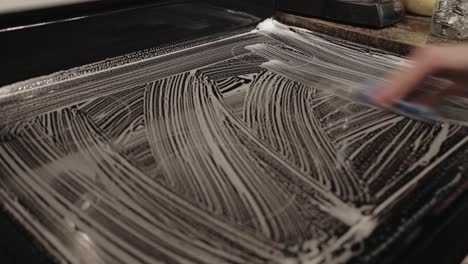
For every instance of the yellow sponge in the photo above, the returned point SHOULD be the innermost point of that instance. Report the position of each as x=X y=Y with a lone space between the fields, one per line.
x=420 y=7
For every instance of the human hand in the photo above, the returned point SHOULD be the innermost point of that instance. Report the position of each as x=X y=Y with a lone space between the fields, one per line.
x=449 y=62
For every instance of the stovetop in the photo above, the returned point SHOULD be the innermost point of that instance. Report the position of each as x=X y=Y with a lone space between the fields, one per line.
x=148 y=31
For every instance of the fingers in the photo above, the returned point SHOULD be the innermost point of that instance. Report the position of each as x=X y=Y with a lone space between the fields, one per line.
x=404 y=81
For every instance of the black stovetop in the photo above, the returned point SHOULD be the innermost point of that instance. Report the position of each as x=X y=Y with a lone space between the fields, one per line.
x=105 y=33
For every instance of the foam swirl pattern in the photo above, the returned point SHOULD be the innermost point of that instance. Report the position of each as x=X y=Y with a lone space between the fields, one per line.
x=247 y=149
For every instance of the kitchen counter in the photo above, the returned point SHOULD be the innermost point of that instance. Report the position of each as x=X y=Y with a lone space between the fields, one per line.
x=400 y=38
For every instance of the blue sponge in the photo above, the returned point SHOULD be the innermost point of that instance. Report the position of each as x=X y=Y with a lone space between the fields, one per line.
x=402 y=107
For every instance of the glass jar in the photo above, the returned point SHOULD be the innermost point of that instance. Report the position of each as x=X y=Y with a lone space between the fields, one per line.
x=450 y=19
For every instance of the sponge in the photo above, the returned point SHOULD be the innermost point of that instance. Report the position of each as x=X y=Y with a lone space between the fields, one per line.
x=420 y=7
x=401 y=107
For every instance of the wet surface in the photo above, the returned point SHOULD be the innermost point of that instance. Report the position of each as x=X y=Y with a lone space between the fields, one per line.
x=36 y=51
x=245 y=148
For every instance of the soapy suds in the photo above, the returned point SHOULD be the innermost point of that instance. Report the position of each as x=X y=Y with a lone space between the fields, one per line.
x=248 y=149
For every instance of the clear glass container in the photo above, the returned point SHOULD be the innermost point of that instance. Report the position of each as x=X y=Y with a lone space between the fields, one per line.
x=450 y=19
